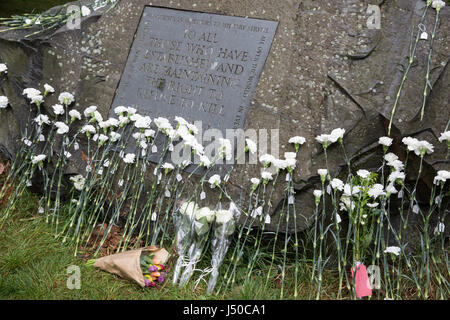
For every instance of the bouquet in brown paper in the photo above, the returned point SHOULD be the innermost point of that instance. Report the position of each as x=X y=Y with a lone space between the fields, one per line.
x=144 y=266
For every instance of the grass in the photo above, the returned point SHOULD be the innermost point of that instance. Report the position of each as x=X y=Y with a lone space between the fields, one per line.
x=34 y=264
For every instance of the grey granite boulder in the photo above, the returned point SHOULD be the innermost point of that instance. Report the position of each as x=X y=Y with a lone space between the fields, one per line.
x=326 y=69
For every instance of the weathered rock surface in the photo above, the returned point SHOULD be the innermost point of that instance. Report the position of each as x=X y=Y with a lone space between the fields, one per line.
x=326 y=69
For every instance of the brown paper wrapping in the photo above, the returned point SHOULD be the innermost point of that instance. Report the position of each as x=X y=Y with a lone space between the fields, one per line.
x=128 y=265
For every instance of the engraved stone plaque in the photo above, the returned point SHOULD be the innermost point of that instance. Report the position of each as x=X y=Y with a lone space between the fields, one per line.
x=200 y=66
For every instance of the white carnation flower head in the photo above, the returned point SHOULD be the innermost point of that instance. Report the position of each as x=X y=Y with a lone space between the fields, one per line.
x=181 y=121
x=38 y=159
x=167 y=167
x=74 y=114
x=279 y=164
x=224 y=216
x=255 y=181
x=214 y=181
x=120 y=110
x=66 y=98
x=364 y=174
x=37 y=99
x=266 y=176
x=397 y=176
x=225 y=149
x=297 y=141
x=250 y=146
x=337 y=184
x=204 y=161
x=42 y=119
x=3 y=68
x=3 y=102
x=31 y=92
x=317 y=193
x=385 y=141
x=62 y=127
x=89 y=111
x=162 y=123
x=445 y=136
x=351 y=190
x=129 y=158
x=438 y=5
x=96 y=117
x=114 y=136
x=48 y=89
x=78 y=182
x=337 y=134
x=376 y=190
x=149 y=133
x=88 y=130
x=189 y=209
x=102 y=139
x=266 y=159
x=131 y=111
x=394 y=250
x=390 y=189
x=290 y=155
x=85 y=11
x=143 y=122
x=206 y=213
x=441 y=177
x=58 y=109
